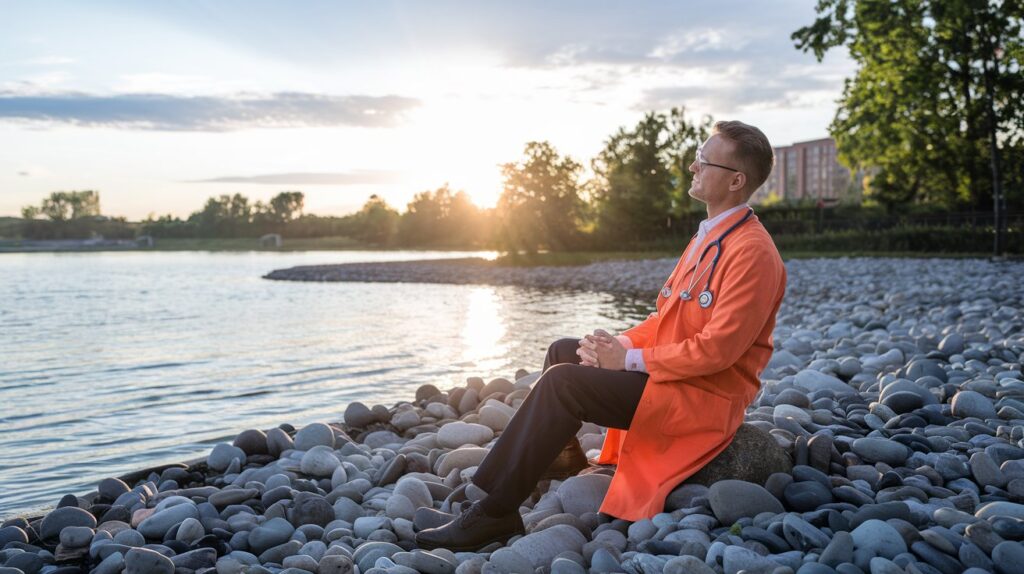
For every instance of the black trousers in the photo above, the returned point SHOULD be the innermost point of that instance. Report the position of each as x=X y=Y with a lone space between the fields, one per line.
x=566 y=395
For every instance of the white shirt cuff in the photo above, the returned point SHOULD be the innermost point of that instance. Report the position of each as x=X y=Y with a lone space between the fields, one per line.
x=635 y=360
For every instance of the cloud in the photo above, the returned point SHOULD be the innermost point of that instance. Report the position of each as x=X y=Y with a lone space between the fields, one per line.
x=206 y=113
x=355 y=177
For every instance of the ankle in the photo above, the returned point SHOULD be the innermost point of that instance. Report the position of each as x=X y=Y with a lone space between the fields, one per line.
x=492 y=509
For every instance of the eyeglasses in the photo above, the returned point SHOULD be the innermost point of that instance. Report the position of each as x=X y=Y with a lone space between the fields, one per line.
x=701 y=162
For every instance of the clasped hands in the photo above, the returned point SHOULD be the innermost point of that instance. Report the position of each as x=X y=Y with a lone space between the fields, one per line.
x=602 y=350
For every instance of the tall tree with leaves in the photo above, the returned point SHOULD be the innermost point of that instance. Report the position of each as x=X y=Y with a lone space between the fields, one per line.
x=938 y=82
x=540 y=205
x=642 y=176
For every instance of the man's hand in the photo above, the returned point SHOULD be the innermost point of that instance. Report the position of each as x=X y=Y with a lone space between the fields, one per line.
x=602 y=350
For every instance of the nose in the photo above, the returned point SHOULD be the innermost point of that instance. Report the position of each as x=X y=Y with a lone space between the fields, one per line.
x=694 y=167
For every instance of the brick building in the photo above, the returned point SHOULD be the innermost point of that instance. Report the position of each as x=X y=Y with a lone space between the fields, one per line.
x=809 y=171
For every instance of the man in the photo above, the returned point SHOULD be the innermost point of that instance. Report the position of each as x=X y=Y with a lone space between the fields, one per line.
x=673 y=389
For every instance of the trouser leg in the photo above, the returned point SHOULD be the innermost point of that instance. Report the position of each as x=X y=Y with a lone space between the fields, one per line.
x=563 y=398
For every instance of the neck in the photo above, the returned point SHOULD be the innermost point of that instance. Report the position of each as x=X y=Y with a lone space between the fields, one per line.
x=716 y=210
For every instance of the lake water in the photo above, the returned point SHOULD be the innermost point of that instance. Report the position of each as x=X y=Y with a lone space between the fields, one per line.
x=112 y=362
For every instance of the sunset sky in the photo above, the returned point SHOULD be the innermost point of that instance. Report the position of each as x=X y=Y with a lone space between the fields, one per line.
x=159 y=105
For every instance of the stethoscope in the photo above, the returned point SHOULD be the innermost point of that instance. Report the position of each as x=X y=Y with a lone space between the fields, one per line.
x=705 y=298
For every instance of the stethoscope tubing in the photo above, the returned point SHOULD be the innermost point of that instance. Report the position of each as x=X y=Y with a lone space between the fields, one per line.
x=706 y=297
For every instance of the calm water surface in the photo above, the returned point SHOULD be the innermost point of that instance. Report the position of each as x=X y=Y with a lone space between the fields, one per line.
x=111 y=362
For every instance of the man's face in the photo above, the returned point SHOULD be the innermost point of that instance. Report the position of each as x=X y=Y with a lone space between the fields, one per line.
x=711 y=183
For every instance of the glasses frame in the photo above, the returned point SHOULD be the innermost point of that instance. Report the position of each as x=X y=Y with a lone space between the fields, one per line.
x=701 y=162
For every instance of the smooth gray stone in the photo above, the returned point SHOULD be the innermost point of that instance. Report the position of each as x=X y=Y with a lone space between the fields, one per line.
x=278 y=441
x=315 y=434
x=972 y=404
x=1008 y=557
x=881 y=450
x=566 y=566
x=1000 y=508
x=582 y=494
x=426 y=562
x=112 y=564
x=12 y=534
x=111 y=488
x=156 y=526
x=801 y=535
x=61 y=518
x=310 y=508
x=222 y=455
x=806 y=496
x=358 y=415
x=839 y=550
x=228 y=496
x=933 y=557
x=269 y=534
x=734 y=499
x=880 y=537
x=737 y=558
x=196 y=559
x=509 y=560
x=604 y=561
x=985 y=471
x=336 y=564
x=686 y=565
x=366 y=554
x=146 y=561
x=541 y=547
x=278 y=553
x=75 y=536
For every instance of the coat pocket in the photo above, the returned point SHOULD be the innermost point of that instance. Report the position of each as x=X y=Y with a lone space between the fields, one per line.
x=693 y=410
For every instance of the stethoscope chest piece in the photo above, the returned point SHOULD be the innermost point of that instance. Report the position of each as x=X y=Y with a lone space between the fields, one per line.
x=666 y=292
x=705 y=299
x=685 y=295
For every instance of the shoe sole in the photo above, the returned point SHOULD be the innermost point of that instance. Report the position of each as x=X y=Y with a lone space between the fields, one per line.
x=502 y=539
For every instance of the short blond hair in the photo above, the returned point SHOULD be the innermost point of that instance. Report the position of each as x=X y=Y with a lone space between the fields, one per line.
x=753 y=151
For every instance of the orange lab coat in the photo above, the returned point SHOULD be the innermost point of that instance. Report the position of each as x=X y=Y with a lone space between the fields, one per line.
x=704 y=366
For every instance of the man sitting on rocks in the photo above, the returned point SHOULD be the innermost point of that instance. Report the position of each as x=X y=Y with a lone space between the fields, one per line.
x=679 y=382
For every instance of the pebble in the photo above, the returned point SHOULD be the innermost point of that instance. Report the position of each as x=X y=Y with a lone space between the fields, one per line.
x=146 y=561
x=879 y=537
x=582 y=494
x=456 y=434
x=734 y=499
x=316 y=434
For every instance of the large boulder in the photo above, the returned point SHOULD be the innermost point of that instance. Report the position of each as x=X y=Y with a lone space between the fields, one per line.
x=752 y=456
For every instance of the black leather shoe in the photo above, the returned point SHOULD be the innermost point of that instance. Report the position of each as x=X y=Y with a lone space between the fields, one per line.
x=471 y=531
x=568 y=463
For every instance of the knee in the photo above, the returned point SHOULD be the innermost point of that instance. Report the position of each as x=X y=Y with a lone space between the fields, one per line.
x=564 y=349
x=558 y=379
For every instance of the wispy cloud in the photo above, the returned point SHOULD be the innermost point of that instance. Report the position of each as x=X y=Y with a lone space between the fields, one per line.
x=206 y=113
x=355 y=177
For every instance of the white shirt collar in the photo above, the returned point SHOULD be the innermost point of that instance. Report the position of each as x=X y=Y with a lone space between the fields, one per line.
x=707 y=225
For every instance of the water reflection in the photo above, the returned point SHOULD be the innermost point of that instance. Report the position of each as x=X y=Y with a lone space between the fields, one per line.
x=484 y=330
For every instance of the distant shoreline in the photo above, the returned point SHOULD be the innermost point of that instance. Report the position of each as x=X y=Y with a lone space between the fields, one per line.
x=633 y=277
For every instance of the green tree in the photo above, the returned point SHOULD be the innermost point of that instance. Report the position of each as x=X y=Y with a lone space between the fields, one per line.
x=540 y=205
x=642 y=176
x=376 y=222
x=287 y=205
x=441 y=218
x=937 y=81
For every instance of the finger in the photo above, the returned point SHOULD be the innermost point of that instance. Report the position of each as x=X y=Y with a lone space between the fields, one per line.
x=601 y=333
x=588 y=344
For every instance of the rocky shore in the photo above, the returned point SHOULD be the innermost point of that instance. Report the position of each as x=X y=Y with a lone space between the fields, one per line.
x=625 y=277
x=888 y=438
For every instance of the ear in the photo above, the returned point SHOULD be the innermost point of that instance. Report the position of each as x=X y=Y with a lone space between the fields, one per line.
x=738 y=181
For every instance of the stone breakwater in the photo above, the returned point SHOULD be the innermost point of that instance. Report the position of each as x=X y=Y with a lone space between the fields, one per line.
x=888 y=437
x=627 y=277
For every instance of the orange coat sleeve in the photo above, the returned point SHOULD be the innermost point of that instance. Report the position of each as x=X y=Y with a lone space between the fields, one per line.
x=643 y=334
x=742 y=306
